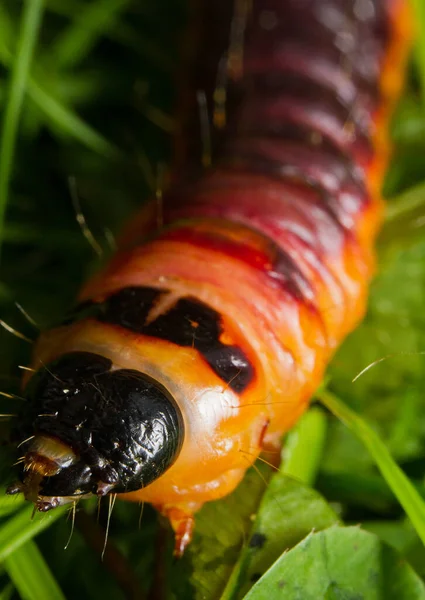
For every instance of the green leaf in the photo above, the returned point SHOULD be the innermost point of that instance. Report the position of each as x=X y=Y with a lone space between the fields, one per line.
x=220 y=532
x=30 y=574
x=288 y=512
x=401 y=536
x=339 y=564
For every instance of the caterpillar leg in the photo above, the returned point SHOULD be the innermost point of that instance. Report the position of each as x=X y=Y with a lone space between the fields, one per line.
x=183 y=522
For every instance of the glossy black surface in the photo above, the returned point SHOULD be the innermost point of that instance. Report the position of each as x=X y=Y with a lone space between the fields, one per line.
x=125 y=428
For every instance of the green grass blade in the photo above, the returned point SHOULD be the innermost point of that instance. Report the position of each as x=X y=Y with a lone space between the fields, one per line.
x=15 y=233
x=7 y=26
x=402 y=488
x=30 y=24
x=407 y=203
x=10 y=504
x=61 y=116
x=304 y=445
x=7 y=592
x=79 y=38
x=20 y=528
x=70 y=122
x=31 y=575
x=123 y=34
x=419 y=51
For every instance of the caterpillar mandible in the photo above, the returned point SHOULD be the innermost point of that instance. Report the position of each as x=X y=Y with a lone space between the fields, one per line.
x=203 y=340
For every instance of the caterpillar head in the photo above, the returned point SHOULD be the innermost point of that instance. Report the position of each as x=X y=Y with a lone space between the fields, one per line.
x=92 y=429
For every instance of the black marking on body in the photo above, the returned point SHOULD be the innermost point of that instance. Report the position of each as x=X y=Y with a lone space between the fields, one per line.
x=147 y=297
x=189 y=323
x=257 y=540
x=289 y=276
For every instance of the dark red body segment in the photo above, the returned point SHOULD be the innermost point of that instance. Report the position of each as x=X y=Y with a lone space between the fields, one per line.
x=302 y=89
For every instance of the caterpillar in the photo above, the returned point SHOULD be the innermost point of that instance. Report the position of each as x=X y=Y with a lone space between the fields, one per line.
x=206 y=335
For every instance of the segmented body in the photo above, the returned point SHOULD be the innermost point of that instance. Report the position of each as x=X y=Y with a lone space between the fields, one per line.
x=262 y=262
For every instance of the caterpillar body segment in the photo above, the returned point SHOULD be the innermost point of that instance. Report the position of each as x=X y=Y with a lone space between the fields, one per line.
x=203 y=340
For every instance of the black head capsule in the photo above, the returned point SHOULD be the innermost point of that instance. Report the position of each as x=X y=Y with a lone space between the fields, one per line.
x=90 y=429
